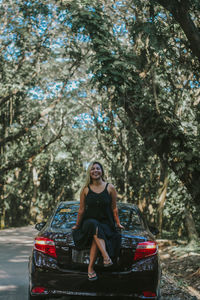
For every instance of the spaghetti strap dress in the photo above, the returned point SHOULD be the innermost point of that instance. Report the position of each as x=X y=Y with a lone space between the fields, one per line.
x=98 y=219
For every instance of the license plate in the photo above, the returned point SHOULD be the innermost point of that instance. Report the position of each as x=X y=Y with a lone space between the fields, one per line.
x=81 y=256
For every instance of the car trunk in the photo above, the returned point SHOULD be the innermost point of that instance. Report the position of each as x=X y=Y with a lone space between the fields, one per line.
x=69 y=257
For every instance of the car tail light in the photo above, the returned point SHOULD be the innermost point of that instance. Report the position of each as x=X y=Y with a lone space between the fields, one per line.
x=38 y=290
x=149 y=294
x=45 y=245
x=145 y=249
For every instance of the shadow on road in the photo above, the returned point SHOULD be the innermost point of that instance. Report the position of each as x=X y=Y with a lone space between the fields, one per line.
x=15 y=248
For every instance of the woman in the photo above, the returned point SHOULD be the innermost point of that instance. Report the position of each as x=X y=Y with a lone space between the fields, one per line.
x=95 y=226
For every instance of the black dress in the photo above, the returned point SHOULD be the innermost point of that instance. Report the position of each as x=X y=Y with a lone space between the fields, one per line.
x=98 y=219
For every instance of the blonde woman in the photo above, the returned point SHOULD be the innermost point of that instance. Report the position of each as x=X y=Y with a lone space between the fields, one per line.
x=97 y=217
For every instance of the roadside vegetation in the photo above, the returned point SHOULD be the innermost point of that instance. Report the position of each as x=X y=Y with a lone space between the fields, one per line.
x=115 y=81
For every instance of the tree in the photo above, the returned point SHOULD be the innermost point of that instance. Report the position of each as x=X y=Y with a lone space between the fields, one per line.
x=181 y=13
x=114 y=81
x=35 y=81
x=143 y=73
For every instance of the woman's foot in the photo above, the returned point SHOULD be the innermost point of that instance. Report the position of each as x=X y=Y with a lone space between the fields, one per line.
x=92 y=276
x=107 y=262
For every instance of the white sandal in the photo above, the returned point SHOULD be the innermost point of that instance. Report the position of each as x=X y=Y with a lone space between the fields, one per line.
x=107 y=262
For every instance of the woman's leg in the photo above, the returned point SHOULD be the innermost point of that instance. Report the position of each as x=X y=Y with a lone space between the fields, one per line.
x=97 y=244
x=93 y=256
x=102 y=247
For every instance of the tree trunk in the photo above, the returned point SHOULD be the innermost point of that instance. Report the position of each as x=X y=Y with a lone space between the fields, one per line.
x=180 y=12
x=125 y=165
x=3 y=214
x=161 y=202
x=33 y=206
x=190 y=226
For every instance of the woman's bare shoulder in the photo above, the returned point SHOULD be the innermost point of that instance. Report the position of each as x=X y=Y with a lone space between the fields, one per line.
x=85 y=190
x=111 y=187
x=83 y=194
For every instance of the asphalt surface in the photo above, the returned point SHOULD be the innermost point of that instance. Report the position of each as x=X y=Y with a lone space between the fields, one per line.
x=15 y=248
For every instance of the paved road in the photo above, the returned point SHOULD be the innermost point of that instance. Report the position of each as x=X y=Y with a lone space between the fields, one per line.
x=15 y=248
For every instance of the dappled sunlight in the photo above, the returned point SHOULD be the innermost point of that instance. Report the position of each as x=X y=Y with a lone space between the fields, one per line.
x=3 y=274
x=18 y=259
x=7 y=287
x=15 y=248
x=26 y=251
x=182 y=262
x=21 y=235
x=187 y=255
x=18 y=230
x=112 y=81
x=11 y=239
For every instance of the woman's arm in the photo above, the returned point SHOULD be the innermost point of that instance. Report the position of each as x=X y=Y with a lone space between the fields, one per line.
x=81 y=209
x=113 y=194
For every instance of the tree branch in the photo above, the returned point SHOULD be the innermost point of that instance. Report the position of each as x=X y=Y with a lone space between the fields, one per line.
x=29 y=155
x=26 y=129
x=180 y=12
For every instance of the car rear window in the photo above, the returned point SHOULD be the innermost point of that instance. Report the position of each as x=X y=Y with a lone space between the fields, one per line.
x=66 y=216
x=130 y=218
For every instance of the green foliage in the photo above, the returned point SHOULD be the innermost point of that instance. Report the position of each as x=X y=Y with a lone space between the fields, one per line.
x=174 y=212
x=83 y=80
x=37 y=108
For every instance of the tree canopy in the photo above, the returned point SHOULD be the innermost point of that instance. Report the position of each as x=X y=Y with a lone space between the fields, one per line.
x=116 y=81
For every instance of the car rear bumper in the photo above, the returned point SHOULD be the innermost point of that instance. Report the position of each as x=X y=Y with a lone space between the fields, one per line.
x=128 y=284
x=143 y=276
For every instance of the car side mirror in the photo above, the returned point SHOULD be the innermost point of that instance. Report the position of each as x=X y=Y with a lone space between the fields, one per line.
x=40 y=225
x=154 y=230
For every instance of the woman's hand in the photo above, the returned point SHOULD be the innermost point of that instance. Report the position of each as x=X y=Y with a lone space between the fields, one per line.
x=120 y=226
x=75 y=227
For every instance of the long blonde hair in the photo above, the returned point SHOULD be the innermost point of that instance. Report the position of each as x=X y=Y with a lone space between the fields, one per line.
x=88 y=178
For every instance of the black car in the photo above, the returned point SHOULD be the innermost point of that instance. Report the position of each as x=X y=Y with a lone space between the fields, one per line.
x=57 y=268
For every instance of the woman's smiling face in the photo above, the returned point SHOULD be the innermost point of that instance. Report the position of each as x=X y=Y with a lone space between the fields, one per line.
x=96 y=172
